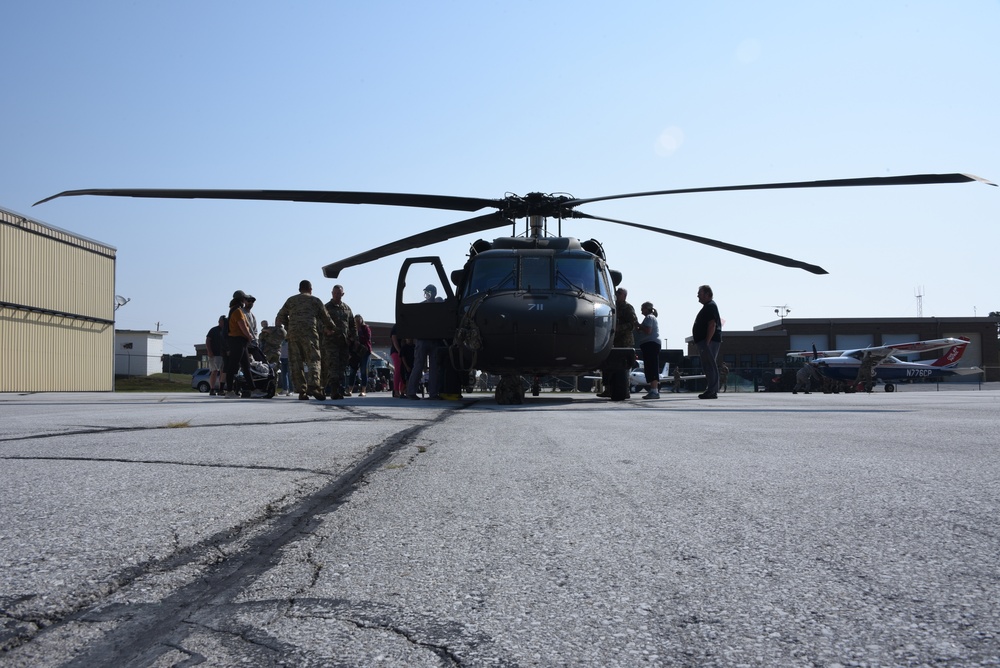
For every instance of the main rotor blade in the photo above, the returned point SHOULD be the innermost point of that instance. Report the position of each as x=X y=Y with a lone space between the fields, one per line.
x=470 y=226
x=749 y=252
x=323 y=196
x=912 y=179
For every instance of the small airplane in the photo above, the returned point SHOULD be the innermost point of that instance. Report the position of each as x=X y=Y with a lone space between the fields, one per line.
x=862 y=367
x=637 y=377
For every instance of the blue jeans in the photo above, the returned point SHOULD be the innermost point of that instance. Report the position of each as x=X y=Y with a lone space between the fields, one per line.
x=284 y=380
x=424 y=348
x=708 y=353
x=359 y=374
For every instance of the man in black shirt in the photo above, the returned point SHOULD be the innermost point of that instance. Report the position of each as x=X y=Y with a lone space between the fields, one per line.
x=707 y=334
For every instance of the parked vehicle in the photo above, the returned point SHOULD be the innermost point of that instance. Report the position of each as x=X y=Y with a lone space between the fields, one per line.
x=199 y=380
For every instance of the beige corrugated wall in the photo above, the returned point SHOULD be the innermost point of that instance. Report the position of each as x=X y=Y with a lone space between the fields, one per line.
x=56 y=309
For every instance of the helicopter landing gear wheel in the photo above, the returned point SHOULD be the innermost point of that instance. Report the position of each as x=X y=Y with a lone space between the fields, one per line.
x=890 y=387
x=509 y=390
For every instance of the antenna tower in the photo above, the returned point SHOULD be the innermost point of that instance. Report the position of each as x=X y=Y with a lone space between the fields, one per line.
x=918 y=292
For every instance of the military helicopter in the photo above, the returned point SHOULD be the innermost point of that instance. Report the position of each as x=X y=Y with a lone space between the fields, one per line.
x=529 y=305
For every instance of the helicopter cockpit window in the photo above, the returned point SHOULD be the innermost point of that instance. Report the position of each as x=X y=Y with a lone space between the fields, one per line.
x=603 y=285
x=492 y=274
x=575 y=273
x=536 y=273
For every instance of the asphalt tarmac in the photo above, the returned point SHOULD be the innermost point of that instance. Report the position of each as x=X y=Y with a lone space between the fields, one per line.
x=758 y=529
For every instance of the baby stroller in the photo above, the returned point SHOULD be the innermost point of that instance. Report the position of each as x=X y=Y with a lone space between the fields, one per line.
x=263 y=381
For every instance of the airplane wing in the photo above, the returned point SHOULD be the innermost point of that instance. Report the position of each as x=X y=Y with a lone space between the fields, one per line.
x=669 y=379
x=881 y=352
x=963 y=370
x=918 y=346
x=814 y=354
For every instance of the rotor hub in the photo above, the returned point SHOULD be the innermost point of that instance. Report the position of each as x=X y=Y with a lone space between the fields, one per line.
x=536 y=204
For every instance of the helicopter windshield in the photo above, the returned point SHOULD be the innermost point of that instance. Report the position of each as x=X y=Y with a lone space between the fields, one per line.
x=535 y=272
x=491 y=274
x=575 y=273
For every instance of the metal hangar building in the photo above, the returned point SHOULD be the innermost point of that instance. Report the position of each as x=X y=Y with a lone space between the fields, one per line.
x=57 y=299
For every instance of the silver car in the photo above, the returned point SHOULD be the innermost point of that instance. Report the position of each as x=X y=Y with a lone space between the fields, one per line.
x=199 y=380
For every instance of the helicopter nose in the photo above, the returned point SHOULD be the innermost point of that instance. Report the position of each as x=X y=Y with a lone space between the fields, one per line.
x=571 y=323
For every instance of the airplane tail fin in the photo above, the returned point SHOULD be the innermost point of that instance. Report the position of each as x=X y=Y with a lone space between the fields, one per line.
x=952 y=355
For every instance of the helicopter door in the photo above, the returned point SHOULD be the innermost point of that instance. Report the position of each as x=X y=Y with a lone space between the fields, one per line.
x=426 y=307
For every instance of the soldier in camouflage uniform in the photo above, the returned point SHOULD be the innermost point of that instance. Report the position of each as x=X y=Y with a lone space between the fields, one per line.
x=625 y=326
x=627 y=323
x=303 y=317
x=338 y=346
x=866 y=373
x=270 y=342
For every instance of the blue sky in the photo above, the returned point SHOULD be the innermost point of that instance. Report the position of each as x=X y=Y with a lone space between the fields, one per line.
x=480 y=99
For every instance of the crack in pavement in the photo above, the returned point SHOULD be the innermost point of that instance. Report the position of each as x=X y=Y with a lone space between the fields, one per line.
x=122 y=460
x=446 y=639
x=88 y=431
x=144 y=634
x=128 y=460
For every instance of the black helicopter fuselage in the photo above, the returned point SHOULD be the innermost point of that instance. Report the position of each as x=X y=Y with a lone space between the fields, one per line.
x=528 y=306
x=551 y=313
x=542 y=332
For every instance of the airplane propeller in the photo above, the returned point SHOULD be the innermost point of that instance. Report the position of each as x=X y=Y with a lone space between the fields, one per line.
x=509 y=209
